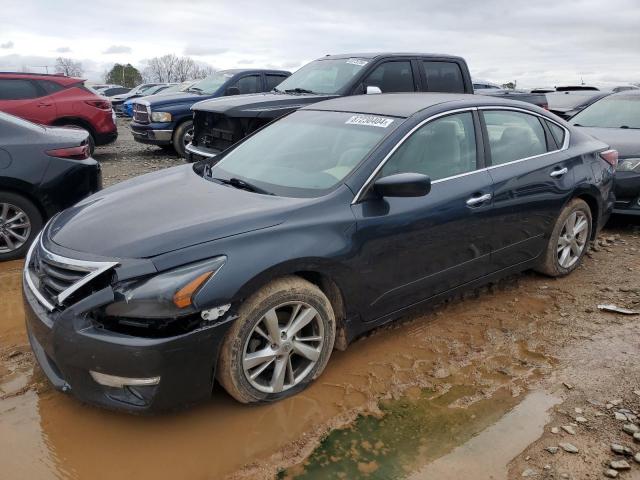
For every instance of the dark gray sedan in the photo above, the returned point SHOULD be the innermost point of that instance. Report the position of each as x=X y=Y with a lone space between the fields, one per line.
x=615 y=120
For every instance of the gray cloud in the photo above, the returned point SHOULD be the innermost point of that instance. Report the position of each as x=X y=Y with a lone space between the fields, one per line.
x=203 y=50
x=8 y=44
x=63 y=49
x=117 y=49
x=536 y=43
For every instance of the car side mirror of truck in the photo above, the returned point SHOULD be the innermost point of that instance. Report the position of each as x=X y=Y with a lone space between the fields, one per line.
x=403 y=185
x=372 y=90
x=232 y=91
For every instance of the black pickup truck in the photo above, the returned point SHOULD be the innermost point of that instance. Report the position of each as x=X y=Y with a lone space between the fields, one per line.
x=219 y=123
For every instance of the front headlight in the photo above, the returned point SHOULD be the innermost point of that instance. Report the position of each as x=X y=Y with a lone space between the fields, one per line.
x=166 y=295
x=160 y=117
x=629 y=165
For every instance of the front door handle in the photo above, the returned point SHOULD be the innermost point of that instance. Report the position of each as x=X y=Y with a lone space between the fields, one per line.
x=559 y=172
x=43 y=104
x=473 y=201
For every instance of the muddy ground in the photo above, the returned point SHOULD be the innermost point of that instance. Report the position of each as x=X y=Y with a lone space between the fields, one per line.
x=473 y=389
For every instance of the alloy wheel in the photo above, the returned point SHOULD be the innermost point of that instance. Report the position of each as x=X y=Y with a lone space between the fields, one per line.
x=188 y=136
x=15 y=227
x=573 y=239
x=283 y=347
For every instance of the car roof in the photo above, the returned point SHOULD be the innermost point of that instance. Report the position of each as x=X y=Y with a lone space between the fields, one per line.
x=374 y=55
x=252 y=70
x=407 y=104
x=55 y=77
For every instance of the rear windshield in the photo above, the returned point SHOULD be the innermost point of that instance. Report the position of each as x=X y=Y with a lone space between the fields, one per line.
x=21 y=122
x=306 y=153
x=616 y=111
x=564 y=101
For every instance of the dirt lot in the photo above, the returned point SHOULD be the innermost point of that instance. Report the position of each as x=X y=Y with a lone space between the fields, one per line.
x=474 y=389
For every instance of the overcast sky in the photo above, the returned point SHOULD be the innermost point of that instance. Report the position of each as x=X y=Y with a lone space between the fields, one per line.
x=537 y=43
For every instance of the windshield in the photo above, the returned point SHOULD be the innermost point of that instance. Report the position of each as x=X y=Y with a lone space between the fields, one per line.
x=323 y=76
x=209 y=85
x=306 y=153
x=565 y=101
x=617 y=111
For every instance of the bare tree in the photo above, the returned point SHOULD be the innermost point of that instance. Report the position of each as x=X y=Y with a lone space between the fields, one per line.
x=171 y=68
x=68 y=67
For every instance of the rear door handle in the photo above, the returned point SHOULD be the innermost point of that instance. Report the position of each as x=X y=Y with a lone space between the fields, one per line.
x=473 y=201
x=43 y=104
x=559 y=172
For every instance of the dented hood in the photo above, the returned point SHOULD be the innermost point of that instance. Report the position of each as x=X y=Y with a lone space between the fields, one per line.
x=164 y=211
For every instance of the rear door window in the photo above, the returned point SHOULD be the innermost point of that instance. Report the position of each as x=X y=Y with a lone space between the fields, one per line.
x=273 y=81
x=50 y=87
x=18 y=89
x=514 y=136
x=249 y=84
x=443 y=76
x=395 y=76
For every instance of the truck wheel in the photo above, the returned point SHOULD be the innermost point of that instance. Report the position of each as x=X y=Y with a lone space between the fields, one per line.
x=20 y=222
x=569 y=240
x=279 y=344
x=182 y=137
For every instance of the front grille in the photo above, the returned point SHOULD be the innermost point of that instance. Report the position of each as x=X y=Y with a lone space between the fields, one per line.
x=58 y=281
x=216 y=131
x=140 y=113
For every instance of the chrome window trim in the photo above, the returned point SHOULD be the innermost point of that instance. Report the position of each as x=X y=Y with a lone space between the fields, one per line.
x=565 y=144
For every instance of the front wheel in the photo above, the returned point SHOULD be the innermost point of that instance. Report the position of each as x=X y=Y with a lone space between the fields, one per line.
x=182 y=137
x=569 y=240
x=280 y=343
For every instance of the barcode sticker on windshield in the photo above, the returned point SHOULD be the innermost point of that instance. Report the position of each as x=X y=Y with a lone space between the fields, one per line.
x=357 y=61
x=369 y=121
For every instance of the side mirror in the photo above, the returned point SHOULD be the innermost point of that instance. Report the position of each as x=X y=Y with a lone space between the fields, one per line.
x=232 y=91
x=403 y=185
x=371 y=90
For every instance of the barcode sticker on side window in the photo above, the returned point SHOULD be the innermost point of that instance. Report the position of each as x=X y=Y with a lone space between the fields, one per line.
x=369 y=121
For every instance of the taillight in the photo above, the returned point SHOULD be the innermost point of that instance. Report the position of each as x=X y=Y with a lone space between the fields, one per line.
x=75 y=153
x=101 y=104
x=610 y=156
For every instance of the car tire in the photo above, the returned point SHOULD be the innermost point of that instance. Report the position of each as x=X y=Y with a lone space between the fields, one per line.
x=568 y=244
x=294 y=302
x=180 y=136
x=12 y=204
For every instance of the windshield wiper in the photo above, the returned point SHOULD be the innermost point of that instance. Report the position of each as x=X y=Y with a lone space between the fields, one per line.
x=195 y=90
x=298 y=90
x=242 y=184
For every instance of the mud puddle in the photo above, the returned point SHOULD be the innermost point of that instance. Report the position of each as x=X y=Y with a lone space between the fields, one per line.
x=415 y=431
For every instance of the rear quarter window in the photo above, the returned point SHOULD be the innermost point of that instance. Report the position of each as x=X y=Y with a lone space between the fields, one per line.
x=443 y=76
x=557 y=132
x=50 y=87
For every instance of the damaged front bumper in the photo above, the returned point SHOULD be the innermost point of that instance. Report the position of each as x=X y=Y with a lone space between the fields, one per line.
x=118 y=371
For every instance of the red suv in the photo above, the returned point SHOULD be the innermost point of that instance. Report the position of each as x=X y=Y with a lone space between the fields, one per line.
x=58 y=100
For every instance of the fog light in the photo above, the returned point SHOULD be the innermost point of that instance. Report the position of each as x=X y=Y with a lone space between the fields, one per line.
x=119 y=382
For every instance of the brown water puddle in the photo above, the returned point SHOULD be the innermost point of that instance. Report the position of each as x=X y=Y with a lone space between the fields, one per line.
x=45 y=434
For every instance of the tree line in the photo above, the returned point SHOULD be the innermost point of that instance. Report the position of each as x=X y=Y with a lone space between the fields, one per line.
x=165 y=69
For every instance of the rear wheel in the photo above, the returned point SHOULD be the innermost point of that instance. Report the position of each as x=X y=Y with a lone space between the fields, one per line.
x=182 y=137
x=20 y=222
x=280 y=343
x=569 y=240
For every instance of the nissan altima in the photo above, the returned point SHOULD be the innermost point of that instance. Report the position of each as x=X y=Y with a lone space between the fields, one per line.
x=251 y=268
